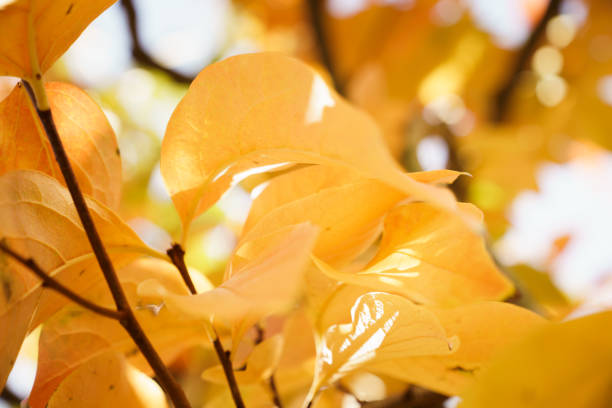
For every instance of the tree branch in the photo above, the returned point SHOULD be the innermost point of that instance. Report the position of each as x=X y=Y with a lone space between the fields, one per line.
x=177 y=256
x=138 y=51
x=128 y=321
x=51 y=283
x=503 y=96
x=316 y=11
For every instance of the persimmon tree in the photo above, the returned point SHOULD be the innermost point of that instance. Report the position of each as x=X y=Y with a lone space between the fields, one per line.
x=347 y=265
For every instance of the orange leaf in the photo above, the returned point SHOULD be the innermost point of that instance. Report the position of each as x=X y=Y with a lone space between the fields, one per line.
x=260 y=109
x=50 y=27
x=432 y=257
x=86 y=134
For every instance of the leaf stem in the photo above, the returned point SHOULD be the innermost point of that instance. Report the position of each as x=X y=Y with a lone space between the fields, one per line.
x=503 y=95
x=128 y=321
x=316 y=21
x=51 y=283
x=177 y=256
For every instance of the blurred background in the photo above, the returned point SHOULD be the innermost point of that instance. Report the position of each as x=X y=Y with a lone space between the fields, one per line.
x=518 y=93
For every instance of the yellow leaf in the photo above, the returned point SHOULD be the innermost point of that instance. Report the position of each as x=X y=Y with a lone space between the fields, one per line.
x=108 y=381
x=260 y=109
x=265 y=285
x=260 y=364
x=75 y=336
x=432 y=257
x=38 y=219
x=86 y=134
x=50 y=26
x=483 y=330
x=384 y=327
x=561 y=365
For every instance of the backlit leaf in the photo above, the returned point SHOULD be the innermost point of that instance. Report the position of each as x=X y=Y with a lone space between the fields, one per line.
x=38 y=219
x=483 y=329
x=108 y=381
x=384 y=327
x=432 y=257
x=565 y=364
x=51 y=26
x=86 y=134
x=75 y=336
x=265 y=285
x=260 y=109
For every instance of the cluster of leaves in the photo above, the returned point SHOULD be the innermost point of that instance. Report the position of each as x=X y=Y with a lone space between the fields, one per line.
x=347 y=264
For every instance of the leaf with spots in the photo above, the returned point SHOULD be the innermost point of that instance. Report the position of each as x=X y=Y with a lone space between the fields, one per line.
x=86 y=134
x=74 y=336
x=107 y=381
x=38 y=220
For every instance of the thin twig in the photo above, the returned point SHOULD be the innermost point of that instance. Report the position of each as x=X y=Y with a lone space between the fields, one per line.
x=503 y=96
x=259 y=337
x=129 y=322
x=316 y=11
x=226 y=363
x=51 y=283
x=177 y=256
x=138 y=51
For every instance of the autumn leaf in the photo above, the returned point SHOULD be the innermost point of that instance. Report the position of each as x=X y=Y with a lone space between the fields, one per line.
x=74 y=336
x=38 y=219
x=265 y=285
x=106 y=381
x=318 y=194
x=483 y=330
x=43 y=29
x=432 y=257
x=383 y=327
x=86 y=134
x=563 y=364
x=260 y=109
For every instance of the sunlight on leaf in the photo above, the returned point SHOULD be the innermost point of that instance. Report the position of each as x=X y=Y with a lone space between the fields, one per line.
x=75 y=336
x=265 y=285
x=483 y=330
x=251 y=110
x=565 y=364
x=384 y=327
x=38 y=219
x=86 y=134
x=52 y=25
x=432 y=257
x=108 y=381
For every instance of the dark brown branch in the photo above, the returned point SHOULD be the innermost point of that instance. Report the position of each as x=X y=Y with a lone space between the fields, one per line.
x=138 y=51
x=316 y=12
x=177 y=256
x=275 y=395
x=503 y=96
x=129 y=322
x=51 y=283
x=10 y=397
x=226 y=363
